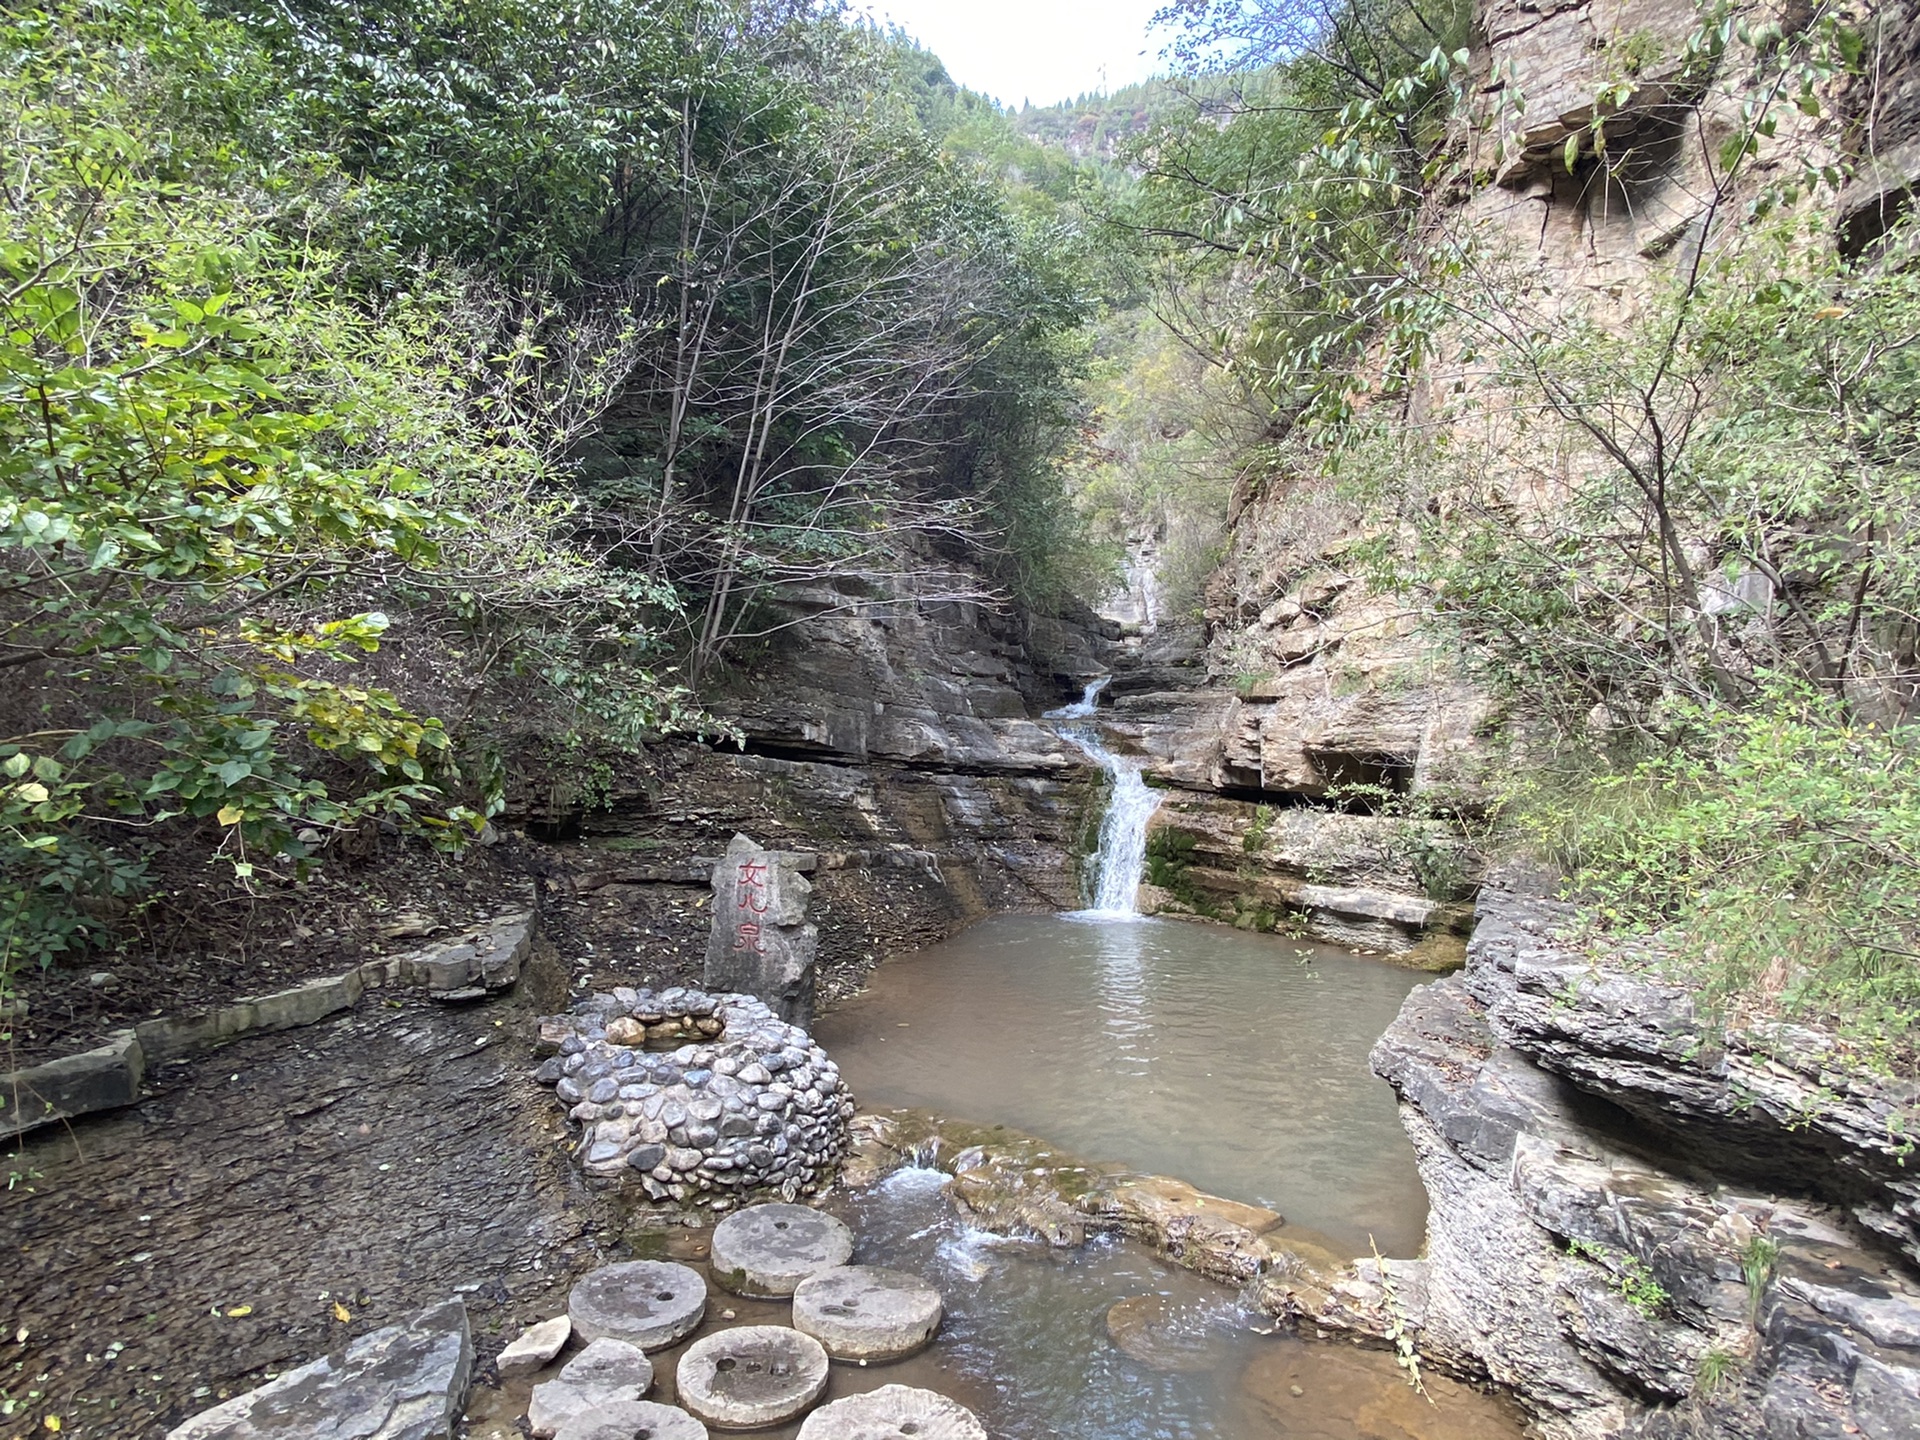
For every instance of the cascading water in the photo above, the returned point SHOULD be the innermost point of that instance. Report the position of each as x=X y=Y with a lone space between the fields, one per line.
x=1123 y=830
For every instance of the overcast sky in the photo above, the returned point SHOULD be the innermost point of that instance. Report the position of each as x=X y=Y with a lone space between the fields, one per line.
x=1039 y=50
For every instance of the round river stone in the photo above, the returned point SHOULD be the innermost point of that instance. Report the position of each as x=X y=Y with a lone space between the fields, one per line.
x=891 y=1412
x=862 y=1312
x=633 y=1420
x=752 y=1377
x=765 y=1251
x=648 y=1303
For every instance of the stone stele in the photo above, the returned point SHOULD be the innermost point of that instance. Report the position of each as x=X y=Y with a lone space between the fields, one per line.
x=761 y=942
x=406 y=1382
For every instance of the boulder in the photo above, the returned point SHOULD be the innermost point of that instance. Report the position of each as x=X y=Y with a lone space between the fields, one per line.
x=406 y=1382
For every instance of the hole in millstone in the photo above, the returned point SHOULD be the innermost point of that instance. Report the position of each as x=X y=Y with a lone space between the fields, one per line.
x=725 y=1363
x=912 y=1427
x=664 y=1295
x=779 y=1224
x=646 y=1434
x=779 y=1370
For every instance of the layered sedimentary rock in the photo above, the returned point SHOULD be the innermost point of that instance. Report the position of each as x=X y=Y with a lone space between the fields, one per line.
x=897 y=739
x=1638 y=1231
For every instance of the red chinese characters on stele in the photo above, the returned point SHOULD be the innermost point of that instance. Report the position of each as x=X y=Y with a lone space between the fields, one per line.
x=750 y=893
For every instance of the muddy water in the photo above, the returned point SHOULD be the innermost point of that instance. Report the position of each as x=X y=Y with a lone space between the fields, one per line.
x=1237 y=1062
x=1026 y=1343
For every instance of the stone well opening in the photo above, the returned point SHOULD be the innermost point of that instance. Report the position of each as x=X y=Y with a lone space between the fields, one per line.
x=696 y=1098
x=666 y=1034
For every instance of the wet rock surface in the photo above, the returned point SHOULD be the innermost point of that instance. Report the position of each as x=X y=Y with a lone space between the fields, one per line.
x=166 y=1257
x=1159 y=1332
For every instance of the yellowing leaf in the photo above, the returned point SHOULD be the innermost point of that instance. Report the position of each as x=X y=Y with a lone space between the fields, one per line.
x=1831 y=312
x=239 y=1312
x=230 y=815
x=52 y=1422
x=33 y=792
x=341 y=1313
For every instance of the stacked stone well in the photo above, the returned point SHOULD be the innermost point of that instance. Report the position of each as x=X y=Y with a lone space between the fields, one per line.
x=697 y=1098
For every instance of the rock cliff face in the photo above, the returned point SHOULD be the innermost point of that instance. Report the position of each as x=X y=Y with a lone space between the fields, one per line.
x=900 y=740
x=1642 y=1233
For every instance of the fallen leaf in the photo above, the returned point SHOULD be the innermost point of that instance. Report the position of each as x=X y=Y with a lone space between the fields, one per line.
x=239 y=1312
x=341 y=1313
x=52 y=1422
x=20 y=1336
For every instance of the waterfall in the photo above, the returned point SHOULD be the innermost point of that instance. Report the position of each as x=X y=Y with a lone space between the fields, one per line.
x=1123 y=830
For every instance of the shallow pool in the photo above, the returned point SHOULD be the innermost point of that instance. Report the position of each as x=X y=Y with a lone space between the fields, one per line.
x=1237 y=1062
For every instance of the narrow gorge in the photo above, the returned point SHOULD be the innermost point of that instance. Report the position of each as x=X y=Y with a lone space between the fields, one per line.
x=1308 y=666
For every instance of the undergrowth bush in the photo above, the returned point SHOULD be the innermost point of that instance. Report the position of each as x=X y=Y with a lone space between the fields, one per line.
x=1774 y=850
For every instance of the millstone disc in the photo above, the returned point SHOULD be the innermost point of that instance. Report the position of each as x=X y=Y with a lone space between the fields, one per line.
x=633 y=1420
x=648 y=1303
x=862 y=1312
x=752 y=1377
x=893 y=1412
x=766 y=1250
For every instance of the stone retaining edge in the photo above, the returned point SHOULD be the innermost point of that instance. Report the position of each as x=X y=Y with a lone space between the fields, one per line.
x=476 y=962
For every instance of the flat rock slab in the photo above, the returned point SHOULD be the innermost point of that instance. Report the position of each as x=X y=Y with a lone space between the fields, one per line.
x=633 y=1420
x=863 y=1312
x=765 y=1251
x=1162 y=1334
x=406 y=1382
x=752 y=1377
x=891 y=1412
x=608 y=1372
x=536 y=1346
x=648 y=1303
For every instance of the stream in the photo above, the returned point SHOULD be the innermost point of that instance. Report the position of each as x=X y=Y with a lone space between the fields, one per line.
x=1234 y=1061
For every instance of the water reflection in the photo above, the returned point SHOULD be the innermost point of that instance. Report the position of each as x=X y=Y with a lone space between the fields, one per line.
x=1121 y=973
x=1237 y=1062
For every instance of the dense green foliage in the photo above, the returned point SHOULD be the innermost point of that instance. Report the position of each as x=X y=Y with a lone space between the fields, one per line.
x=390 y=390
